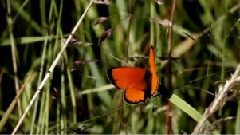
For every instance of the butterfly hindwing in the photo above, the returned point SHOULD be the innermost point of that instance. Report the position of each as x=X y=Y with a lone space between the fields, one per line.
x=132 y=80
x=134 y=96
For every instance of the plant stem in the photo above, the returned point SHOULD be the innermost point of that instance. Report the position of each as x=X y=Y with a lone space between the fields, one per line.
x=14 y=55
x=169 y=84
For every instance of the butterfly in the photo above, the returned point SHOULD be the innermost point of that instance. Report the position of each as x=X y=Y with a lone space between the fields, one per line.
x=138 y=83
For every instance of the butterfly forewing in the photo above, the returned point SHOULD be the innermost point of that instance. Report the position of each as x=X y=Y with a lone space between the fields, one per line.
x=153 y=70
x=126 y=77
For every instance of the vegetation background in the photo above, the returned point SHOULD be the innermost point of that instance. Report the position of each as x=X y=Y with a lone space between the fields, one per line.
x=78 y=98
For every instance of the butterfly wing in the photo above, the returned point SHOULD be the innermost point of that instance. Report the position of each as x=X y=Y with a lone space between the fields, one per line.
x=153 y=70
x=134 y=95
x=132 y=80
x=136 y=81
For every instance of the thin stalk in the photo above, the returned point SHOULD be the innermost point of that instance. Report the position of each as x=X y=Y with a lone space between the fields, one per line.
x=152 y=33
x=40 y=120
x=12 y=105
x=14 y=54
x=63 y=120
x=46 y=110
x=237 y=127
x=46 y=77
x=41 y=115
x=129 y=29
x=63 y=101
x=72 y=93
x=43 y=56
x=120 y=114
x=169 y=81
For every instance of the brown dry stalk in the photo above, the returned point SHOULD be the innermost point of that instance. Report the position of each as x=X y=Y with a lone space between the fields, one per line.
x=169 y=84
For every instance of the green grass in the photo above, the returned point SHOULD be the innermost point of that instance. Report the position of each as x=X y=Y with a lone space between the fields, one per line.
x=85 y=101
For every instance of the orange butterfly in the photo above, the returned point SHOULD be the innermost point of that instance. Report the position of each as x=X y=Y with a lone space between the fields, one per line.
x=138 y=83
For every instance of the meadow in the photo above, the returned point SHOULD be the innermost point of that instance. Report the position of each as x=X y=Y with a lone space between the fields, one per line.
x=55 y=54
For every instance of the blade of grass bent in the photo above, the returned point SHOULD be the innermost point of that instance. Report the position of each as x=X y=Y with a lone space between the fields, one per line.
x=184 y=106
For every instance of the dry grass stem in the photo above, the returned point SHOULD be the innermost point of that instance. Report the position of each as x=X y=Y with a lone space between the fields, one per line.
x=228 y=91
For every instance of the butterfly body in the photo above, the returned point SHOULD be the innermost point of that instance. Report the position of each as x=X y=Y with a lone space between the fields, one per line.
x=138 y=83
